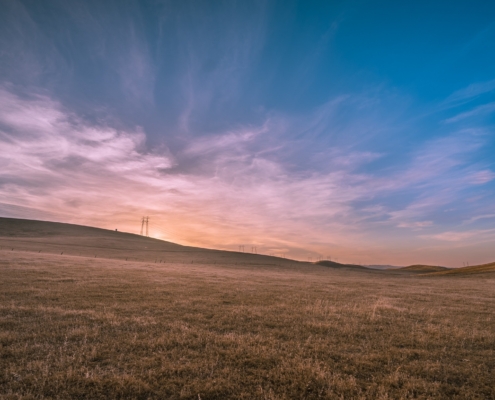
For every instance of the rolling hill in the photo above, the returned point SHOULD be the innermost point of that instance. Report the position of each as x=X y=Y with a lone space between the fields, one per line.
x=471 y=270
x=84 y=241
x=333 y=264
x=418 y=268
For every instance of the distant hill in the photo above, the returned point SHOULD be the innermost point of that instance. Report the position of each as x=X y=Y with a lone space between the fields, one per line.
x=33 y=231
x=475 y=269
x=333 y=264
x=83 y=241
x=382 y=266
x=419 y=268
x=431 y=270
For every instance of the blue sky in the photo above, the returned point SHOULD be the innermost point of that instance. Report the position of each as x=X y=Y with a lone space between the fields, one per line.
x=358 y=130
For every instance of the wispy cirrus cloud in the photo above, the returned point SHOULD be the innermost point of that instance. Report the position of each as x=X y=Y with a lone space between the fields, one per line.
x=479 y=217
x=242 y=189
x=470 y=92
x=481 y=110
x=91 y=171
x=279 y=124
x=463 y=236
x=415 y=225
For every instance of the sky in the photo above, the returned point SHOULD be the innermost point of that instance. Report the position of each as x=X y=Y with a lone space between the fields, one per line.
x=360 y=131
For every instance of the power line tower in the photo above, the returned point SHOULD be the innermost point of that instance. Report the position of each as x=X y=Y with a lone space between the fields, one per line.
x=144 y=221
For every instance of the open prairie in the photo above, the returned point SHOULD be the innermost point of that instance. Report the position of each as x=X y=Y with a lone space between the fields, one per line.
x=92 y=314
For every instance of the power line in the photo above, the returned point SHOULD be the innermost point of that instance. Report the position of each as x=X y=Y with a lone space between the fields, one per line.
x=158 y=230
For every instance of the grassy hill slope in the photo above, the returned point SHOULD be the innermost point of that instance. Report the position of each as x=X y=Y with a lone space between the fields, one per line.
x=333 y=264
x=75 y=240
x=474 y=269
x=423 y=268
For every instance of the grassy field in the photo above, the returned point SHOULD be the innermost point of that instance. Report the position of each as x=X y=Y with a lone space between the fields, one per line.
x=215 y=325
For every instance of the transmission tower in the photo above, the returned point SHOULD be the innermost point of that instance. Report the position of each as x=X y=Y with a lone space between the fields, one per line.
x=144 y=221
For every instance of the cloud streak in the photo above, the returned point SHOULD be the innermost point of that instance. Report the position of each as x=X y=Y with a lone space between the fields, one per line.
x=283 y=126
x=241 y=192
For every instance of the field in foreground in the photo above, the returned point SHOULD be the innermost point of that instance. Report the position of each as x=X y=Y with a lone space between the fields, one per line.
x=80 y=327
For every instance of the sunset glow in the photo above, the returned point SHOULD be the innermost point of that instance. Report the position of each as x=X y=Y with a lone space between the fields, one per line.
x=363 y=133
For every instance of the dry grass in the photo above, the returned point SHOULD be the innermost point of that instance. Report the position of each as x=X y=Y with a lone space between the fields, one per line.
x=86 y=328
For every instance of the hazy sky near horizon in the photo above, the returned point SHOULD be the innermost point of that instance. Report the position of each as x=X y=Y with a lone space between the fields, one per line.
x=359 y=130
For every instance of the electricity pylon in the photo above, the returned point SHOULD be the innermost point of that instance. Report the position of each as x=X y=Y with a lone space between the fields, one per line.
x=144 y=221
